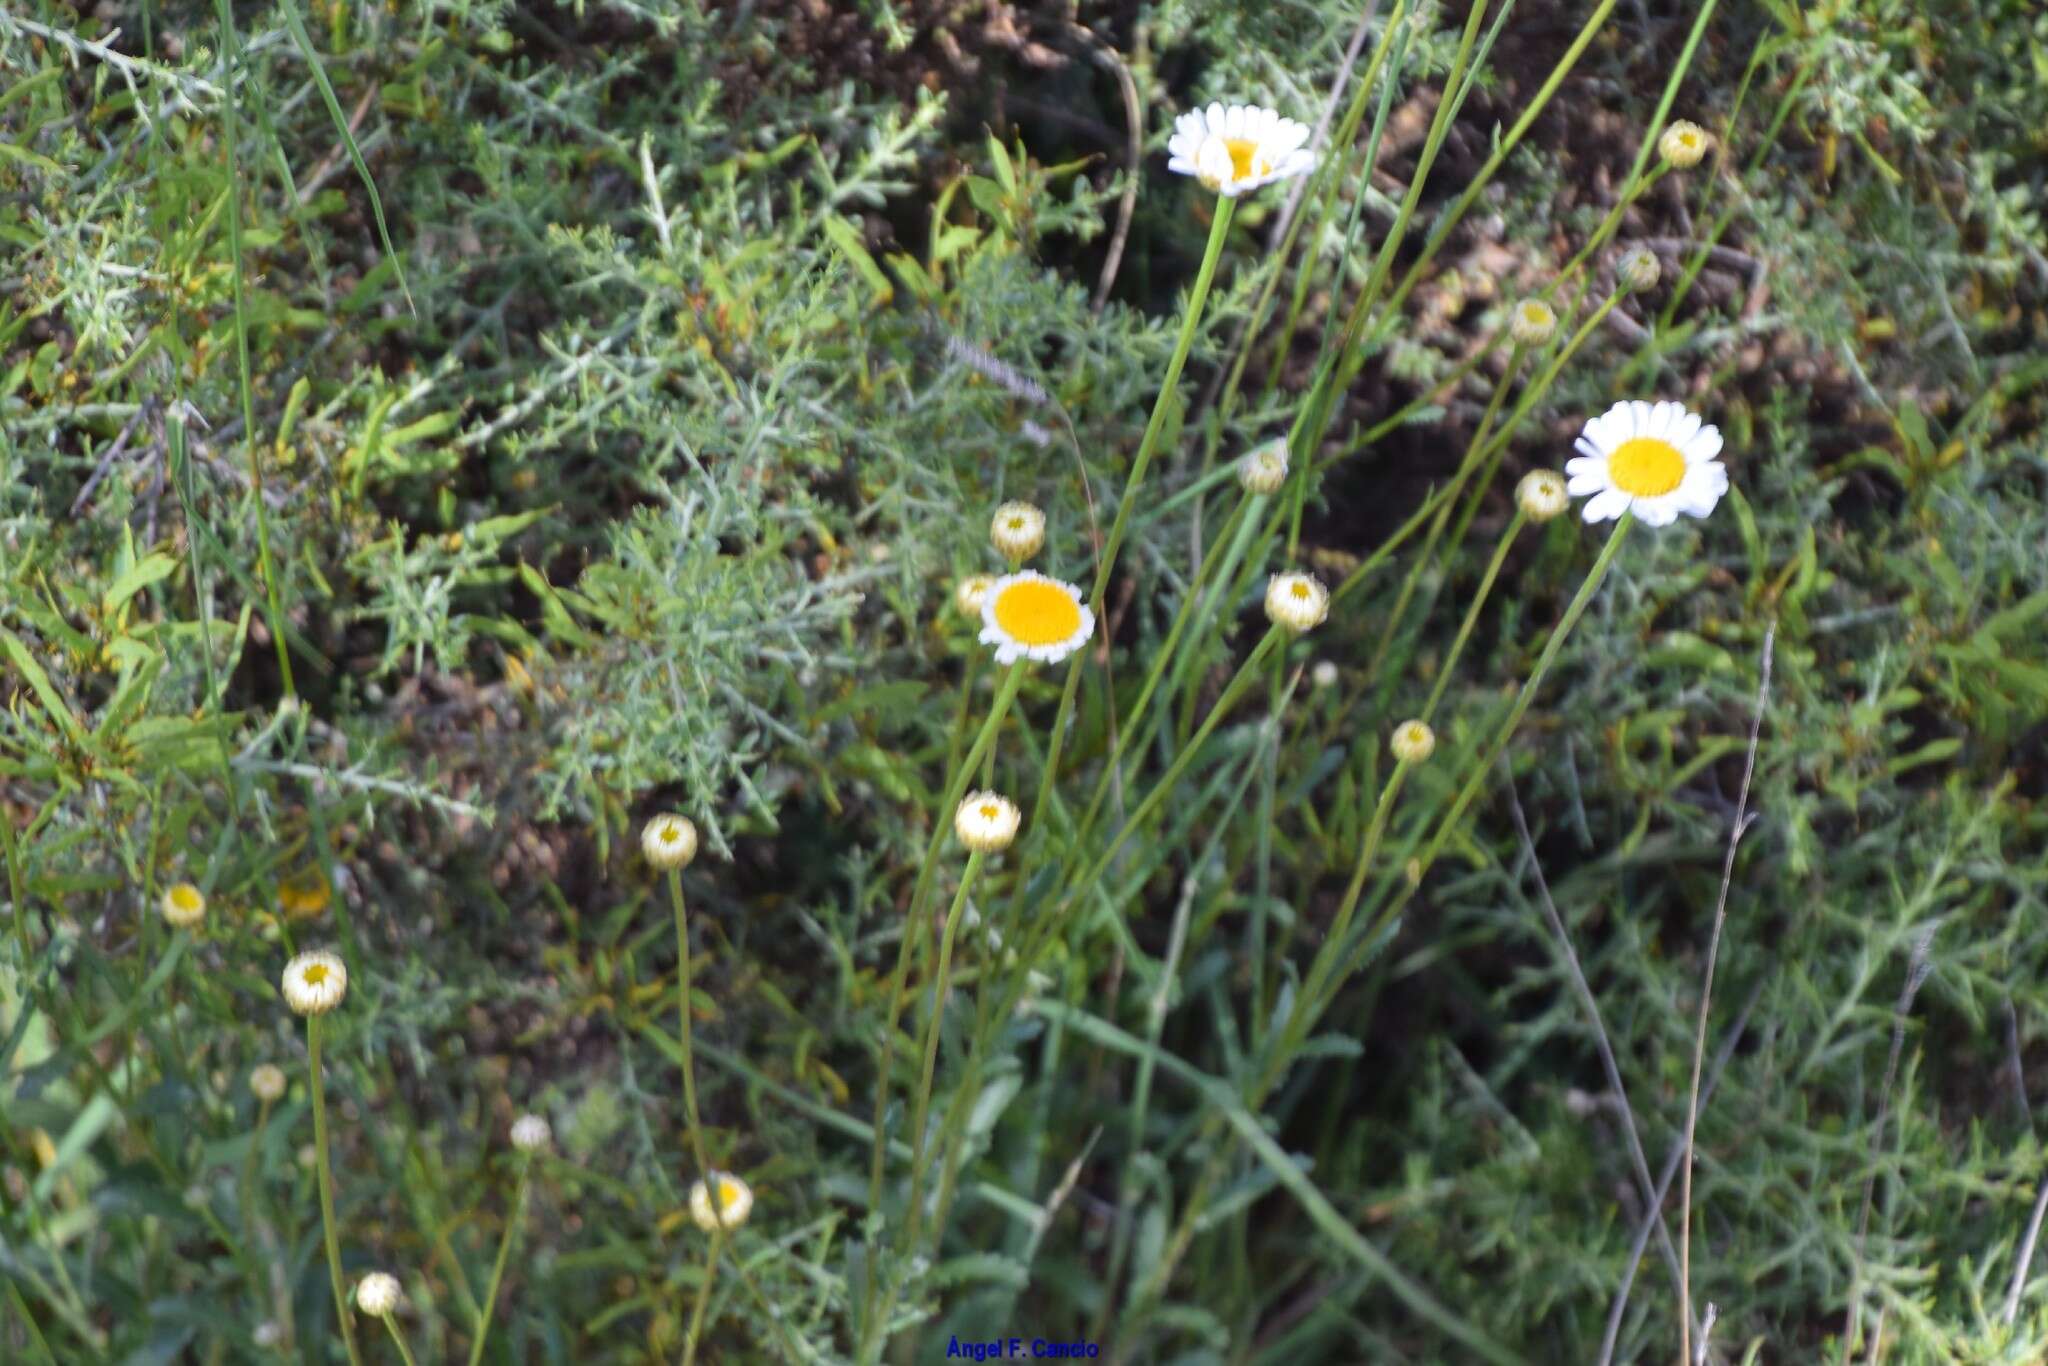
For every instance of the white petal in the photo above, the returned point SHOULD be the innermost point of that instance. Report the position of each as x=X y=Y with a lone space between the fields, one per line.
x=1590 y=448
x=1606 y=505
x=1659 y=511
x=1215 y=119
x=1639 y=417
x=1686 y=428
x=1705 y=446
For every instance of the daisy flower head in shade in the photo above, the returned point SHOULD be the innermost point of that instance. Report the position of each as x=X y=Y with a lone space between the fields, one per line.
x=530 y=1133
x=1653 y=459
x=1238 y=148
x=266 y=1080
x=378 y=1294
x=1030 y=616
x=735 y=1202
x=314 y=982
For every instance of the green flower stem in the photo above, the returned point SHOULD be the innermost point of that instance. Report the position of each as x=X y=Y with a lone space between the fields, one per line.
x=325 y=1176
x=512 y=1226
x=1219 y=229
x=405 y=1352
x=675 y=896
x=919 y=1149
x=1241 y=521
x=1306 y=1012
x=1471 y=462
x=942 y=824
x=1486 y=582
x=1163 y=789
x=696 y=1331
x=1324 y=964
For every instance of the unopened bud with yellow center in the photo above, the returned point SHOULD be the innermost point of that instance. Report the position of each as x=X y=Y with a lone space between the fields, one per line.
x=971 y=592
x=1298 y=602
x=1017 y=531
x=986 y=822
x=1541 y=495
x=1639 y=269
x=1263 y=469
x=1683 y=144
x=669 y=841
x=735 y=1203
x=1412 y=742
x=1533 y=323
x=183 y=906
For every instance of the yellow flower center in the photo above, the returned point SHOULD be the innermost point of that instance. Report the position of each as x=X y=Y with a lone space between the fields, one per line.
x=1536 y=313
x=1688 y=140
x=989 y=812
x=185 y=897
x=1016 y=524
x=314 y=975
x=1034 y=612
x=1245 y=160
x=669 y=834
x=304 y=893
x=1299 y=590
x=1646 y=467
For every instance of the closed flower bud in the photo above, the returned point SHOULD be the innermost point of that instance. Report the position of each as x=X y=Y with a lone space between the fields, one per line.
x=986 y=822
x=378 y=1294
x=314 y=982
x=971 y=592
x=1541 y=495
x=1533 y=323
x=1263 y=469
x=530 y=1134
x=183 y=906
x=735 y=1202
x=1017 y=531
x=669 y=841
x=266 y=1081
x=1683 y=144
x=1639 y=269
x=1298 y=602
x=1413 y=741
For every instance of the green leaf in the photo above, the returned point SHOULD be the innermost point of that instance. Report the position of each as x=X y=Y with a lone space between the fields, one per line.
x=153 y=568
x=847 y=238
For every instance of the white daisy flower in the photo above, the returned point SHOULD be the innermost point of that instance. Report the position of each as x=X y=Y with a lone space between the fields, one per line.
x=735 y=1202
x=1655 y=460
x=986 y=822
x=669 y=841
x=1298 y=602
x=1030 y=616
x=1239 y=148
x=1017 y=531
x=315 y=982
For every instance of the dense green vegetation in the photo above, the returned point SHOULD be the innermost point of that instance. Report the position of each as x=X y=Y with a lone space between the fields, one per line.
x=438 y=438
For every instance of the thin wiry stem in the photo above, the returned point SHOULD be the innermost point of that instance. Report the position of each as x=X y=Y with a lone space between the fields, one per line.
x=1699 y=1043
x=1652 y=1196
x=1652 y=1217
x=325 y=1175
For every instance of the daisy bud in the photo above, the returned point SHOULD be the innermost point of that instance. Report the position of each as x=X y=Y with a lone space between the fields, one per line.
x=378 y=1294
x=1264 y=468
x=669 y=841
x=735 y=1202
x=1541 y=495
x=1412 y=742
x=266 y=1081
x=971 y=592
x=1683 y=144
x=986 y=822
x=268 y=1334
x=530 y=1134
x=1534 y=322
x=1298 y=602
x=314 y=982
x=1017 y=531
x=1324 y=674
x=1639 y=270
x=183 y=905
